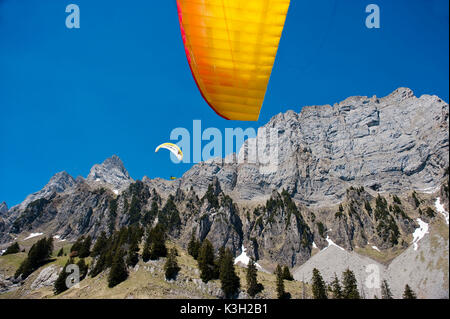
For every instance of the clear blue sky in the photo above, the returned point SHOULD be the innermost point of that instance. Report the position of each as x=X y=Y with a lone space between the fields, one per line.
x=121 y=83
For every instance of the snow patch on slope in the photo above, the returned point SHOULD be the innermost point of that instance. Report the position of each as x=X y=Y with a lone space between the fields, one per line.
x=331 y=243
x=429 y=190
x=419 y=233
x=32 y=235
x=440 y=208
x=58 y=238
x=244 y=259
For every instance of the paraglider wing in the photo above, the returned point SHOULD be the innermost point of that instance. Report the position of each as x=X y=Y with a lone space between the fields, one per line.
x=231 y=47
x=173 y=148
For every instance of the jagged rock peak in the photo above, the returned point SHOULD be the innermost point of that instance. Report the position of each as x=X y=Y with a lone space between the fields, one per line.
x=400 y=94
x=111 y=172
x=114 y=161
x=3 y=208
x=61 y=181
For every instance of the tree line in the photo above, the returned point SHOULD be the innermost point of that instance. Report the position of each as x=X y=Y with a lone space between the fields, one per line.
x=348 y=288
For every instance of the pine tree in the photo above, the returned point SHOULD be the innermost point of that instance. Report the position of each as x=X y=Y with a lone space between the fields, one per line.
x=99 y=265
x=318 y=285
x=38 y=254
x=281 y=294
x=218 y=262
x=158 y=242
x=229 y=280
x=118 y=272
x=76 y=247
x=205 y=261
x=350 y=285
x=336 y=289
x=287 y=274
x=83 y=268
x=146 y=252
x=409 y=293
x=193 y=246
x=13 y=249
x=211 y=197
x=60 y=252
x=133 y=256
x=171 y=266
x=99 y=245
x=85 y=248
x=48 y=247
x=150 y=215
x=60 y=283
x=385 y=290
x=253 y=287
x=147 y=246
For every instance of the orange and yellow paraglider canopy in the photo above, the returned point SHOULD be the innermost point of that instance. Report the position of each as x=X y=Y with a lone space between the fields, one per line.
x=231 y=47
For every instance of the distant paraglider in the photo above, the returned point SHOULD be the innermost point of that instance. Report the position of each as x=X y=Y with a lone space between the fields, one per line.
x=231 y=47
x=172 y=148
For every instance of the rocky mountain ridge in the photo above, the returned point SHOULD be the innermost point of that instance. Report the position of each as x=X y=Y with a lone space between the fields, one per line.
x=357 y=174
x=384 y=144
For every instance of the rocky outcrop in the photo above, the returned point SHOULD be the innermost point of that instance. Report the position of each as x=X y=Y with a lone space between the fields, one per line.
x=46 y=277
x=214 y=217
x=278 y=232
x=8 y=284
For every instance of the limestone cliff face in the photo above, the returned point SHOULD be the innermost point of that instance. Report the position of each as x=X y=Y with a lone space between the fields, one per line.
x=385 y=144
